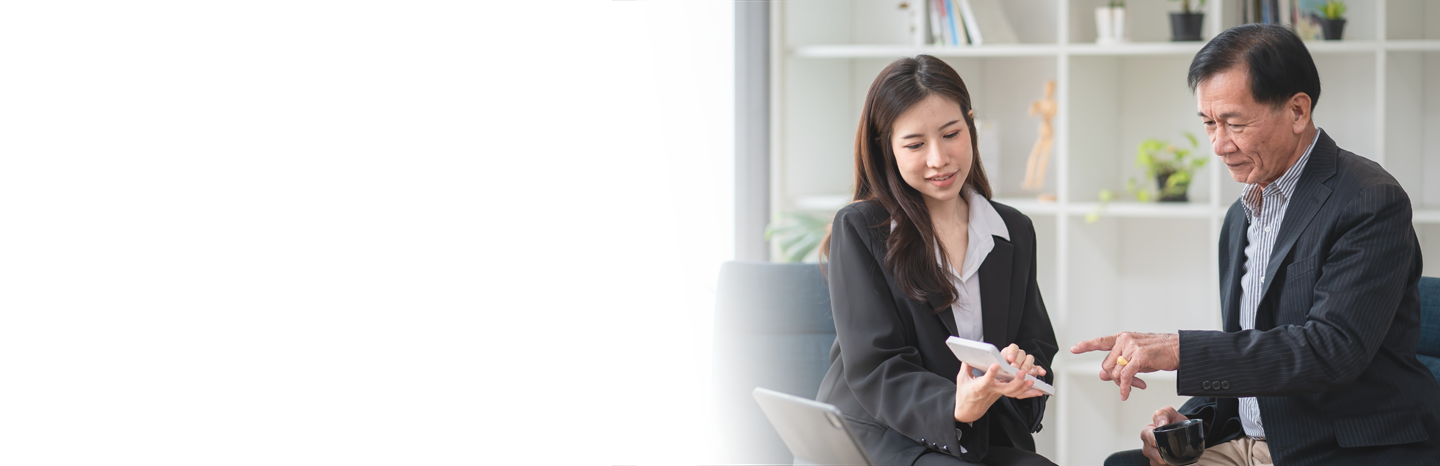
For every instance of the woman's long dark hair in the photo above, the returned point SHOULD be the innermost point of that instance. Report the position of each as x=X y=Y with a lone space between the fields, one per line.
x=912 y=245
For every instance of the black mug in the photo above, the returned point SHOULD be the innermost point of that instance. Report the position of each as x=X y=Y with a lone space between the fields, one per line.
x=1182 y=442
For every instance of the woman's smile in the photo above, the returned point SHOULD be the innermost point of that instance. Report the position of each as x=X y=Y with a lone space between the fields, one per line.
x=943 y=180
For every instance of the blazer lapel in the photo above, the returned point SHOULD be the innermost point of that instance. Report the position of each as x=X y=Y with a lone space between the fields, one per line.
x=1233 y=272
x=946 y=317
x=995 y=291
x=1309 y=195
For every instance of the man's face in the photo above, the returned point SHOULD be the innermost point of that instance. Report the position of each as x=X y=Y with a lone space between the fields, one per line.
x=1256 y=141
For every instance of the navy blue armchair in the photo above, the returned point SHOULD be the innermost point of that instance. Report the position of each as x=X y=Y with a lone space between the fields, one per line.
x=773 y=329
x=1428 y=351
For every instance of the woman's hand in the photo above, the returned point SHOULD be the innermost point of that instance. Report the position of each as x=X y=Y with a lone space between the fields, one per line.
x=1013 y=353
x=1020 y=386
x=974 y=395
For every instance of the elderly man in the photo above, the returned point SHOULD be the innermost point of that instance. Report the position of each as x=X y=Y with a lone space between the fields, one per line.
x=1319 y=266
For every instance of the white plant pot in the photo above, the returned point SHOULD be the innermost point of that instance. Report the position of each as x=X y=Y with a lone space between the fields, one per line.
x=1104 y=25
x=1110 y=25
x=1122 y=34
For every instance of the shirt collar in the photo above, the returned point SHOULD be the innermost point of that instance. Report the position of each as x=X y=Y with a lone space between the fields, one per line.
x=983 y=217
x=1284 y=186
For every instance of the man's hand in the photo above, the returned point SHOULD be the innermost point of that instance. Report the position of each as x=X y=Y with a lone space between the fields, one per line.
x=1161 y=417
x=1143 y=352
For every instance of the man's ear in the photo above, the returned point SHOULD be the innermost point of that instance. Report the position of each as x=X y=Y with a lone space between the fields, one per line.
x=1297 y=109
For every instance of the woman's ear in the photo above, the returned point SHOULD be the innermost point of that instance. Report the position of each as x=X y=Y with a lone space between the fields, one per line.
x=972 y=114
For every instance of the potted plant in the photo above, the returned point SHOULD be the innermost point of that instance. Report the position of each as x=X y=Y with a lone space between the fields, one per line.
x=1185 y=24
x=1110 y=23
x=799 y=235
x=1333 y=24
x=1172 y=167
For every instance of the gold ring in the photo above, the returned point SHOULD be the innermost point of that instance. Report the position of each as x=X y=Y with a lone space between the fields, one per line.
x=1122 y=361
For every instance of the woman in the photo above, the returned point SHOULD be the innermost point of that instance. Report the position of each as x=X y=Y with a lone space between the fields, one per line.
x=923 y=254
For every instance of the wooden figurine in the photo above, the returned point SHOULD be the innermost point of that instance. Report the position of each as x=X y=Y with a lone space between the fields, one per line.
x=1040 y=153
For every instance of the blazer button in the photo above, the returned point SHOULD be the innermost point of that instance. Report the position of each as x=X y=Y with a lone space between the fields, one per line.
x=946 y=448
x=922 y=440
x=1225 y=385
x=1205 y=385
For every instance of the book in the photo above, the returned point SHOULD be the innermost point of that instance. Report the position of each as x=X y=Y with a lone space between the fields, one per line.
x=986 y=23
x=919 y=25
x=937 y=13
x=1308 y=14
x=961 y=37
x=953 y=27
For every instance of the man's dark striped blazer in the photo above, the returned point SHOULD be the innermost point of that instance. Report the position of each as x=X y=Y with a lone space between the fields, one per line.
x=1332 y=356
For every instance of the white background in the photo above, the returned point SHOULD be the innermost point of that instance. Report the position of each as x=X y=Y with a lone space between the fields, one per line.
x=687 y=226
x=361 y=232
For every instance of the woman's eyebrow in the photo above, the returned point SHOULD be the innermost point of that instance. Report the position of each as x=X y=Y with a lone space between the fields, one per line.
x=947 y=125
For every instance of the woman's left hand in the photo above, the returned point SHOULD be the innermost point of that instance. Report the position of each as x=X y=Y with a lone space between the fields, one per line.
x=1020 y=387
x=1013 y=353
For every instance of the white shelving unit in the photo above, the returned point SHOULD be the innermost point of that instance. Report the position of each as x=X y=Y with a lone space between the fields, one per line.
x=1142 y=267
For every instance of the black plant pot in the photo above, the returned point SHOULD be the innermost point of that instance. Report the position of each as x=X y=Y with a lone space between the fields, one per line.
x=1185 y=26
x=1184 y=196
x=1333 y=28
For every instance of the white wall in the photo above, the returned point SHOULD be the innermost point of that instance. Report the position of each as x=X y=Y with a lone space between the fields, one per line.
x=690 y=111
x=304 y=232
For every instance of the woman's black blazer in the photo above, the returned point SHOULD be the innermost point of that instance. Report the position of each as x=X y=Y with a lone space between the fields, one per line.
x=890 y=371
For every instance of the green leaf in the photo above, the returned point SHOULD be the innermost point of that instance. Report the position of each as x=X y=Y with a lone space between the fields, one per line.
x=789 y=242
x=797 y=234
x=798 y=252
x=1191 y=136
x=1333 y=9
x=1180 y=178
x=785 y=230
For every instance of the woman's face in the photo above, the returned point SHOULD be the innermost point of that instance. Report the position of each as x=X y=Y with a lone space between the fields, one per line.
x=931 y=143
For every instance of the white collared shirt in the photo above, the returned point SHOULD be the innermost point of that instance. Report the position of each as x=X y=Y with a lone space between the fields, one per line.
x=985 y=224
x=1265 y=208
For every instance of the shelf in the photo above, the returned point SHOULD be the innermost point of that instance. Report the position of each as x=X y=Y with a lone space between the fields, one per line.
x=831 y=203
x=1033 y=207
x=893 y=51
x=1145 y=209
x=1342 y=46
x=1030 y=206
x=1413 y=45
x=1428 y=216
x=1135 y=48
x=1085 y=49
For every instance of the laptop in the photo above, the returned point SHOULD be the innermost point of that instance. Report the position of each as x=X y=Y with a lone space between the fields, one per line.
x=815 y=432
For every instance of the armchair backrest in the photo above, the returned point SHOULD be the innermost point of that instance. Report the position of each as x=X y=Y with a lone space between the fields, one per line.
x=1429 y=348
x=773 y=329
